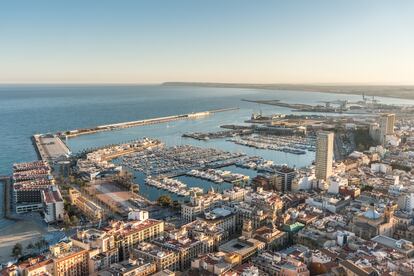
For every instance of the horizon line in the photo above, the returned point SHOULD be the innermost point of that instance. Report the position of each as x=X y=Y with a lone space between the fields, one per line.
x=209 y=82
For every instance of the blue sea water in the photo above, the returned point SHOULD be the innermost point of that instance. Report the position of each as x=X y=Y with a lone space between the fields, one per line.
x=29 y=109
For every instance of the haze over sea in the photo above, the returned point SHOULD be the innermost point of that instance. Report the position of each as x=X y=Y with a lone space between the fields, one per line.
x=29 y=109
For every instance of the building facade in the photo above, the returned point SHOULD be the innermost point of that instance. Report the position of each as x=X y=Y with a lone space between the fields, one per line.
x=324 y=155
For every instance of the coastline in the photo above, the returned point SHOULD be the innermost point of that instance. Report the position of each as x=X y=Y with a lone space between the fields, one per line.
x=389 y=91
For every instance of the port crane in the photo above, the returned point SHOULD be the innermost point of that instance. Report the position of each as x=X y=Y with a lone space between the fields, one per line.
x=343 y=104
x=327 y=103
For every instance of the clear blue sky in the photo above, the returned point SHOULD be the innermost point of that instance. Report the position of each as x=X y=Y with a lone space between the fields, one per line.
x=330 y=41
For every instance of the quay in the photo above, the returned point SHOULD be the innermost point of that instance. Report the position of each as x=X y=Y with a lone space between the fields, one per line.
x=50 y=147
x=159 y=120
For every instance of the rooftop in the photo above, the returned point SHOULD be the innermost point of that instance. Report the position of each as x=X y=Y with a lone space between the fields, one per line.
x=399 y=245
x=129 y=227
x=154 y=250
x=240 y=246
x=52 y=196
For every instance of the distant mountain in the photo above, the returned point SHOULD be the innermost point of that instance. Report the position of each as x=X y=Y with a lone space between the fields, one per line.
x=396 y=91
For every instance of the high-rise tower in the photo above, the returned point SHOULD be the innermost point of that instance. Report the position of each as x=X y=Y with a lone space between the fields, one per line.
x=324 y=155
x=387 y=122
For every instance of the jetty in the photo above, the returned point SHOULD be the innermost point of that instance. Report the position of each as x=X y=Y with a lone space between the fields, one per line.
x=159 y=120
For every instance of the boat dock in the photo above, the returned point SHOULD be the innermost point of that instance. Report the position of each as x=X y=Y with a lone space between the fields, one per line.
x=109 y=127
x=178 y=160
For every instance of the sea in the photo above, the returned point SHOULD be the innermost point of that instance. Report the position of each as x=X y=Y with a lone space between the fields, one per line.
x=29 y=109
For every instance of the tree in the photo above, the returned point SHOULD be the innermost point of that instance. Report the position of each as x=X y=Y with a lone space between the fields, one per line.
x=164 y=201
x=66 y=220
x=366 y=188
x=30 y=246
x=40 y=244
x=176 y=204
x=74 y=220
x=43 y=242
x=69 y=208
x=363 y=140
x=17 y=250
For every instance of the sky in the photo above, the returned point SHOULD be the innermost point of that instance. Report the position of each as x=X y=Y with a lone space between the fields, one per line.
x=265 y=41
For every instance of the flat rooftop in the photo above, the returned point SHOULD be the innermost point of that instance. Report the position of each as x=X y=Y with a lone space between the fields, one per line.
x=399 y=245
x=242 y=247
x=53 y=147
x=154 y=250
x=114 y=196
x=127 y=228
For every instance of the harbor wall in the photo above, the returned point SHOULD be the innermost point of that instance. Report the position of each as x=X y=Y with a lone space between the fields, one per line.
x=159 y=120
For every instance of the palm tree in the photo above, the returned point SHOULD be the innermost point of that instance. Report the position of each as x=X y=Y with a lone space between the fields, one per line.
x=30 y=246
x=40 y=244
x=17 y=250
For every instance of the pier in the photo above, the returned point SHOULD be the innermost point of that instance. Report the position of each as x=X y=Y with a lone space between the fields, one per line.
x=5 y=196
x=159 y=120
x=50 y=147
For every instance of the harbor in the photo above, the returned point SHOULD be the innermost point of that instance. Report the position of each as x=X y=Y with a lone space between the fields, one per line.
x=172 y=185
x=165 y=165
x=95 y=164
x=180 y=188
x=289 y=144
x=159 y=120
x=178 y=160
x=219 y=176
x=256 y=163
x=193 y=184
x=217 y=135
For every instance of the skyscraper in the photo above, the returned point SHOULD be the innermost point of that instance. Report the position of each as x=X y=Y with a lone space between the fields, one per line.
x=387 y=122
x=324 y=155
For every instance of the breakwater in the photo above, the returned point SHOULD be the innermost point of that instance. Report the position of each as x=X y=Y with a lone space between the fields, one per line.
x=159 y=120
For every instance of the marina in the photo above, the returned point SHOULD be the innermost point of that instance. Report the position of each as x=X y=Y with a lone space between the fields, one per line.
x=172 y=185
x=195 y=184
x=217 y=135
x=166 y=168
x=208 y=136
x=289 y=144
x=219 y=176
x=255 y=163
x=95 y=163
x=178 y=160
